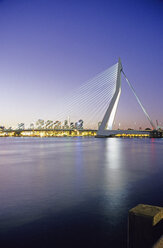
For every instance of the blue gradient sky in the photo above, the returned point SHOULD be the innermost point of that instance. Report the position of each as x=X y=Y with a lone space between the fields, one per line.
x=49 y=47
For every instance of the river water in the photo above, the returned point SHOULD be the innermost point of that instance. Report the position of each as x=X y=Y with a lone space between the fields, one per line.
x=75 y=192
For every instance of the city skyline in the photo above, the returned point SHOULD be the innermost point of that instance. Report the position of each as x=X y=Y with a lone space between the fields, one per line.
x=49 y=48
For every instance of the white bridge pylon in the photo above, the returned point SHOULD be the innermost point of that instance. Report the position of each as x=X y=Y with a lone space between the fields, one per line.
x=105 y=129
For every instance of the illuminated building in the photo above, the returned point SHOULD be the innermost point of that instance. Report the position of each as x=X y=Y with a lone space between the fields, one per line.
x=72 y=125
x=65 y=125
x=57 y=125
x=21 y=126
x=31 y=126
x=79 y=124
x=40 y=124
x=48 y=124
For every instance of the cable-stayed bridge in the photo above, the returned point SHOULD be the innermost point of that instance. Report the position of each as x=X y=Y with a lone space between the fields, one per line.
x=94 y=103
x=105 y=128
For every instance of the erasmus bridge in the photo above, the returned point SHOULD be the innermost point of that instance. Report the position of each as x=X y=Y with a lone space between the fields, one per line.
x=106 y=126
x=94 y=102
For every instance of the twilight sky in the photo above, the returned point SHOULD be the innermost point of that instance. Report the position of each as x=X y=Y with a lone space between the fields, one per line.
x=50 y=47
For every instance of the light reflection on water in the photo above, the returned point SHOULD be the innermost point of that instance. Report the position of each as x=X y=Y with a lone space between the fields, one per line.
x=40 y=177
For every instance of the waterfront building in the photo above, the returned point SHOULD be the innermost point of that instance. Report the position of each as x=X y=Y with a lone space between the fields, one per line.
x=65 y=125
x=48 y=124
x=31 y=126
x=79 y=124
x=40 y=124
x=68 y=121
x=2 y=128
x=21 y=126
x=72 y=125
x=57 y=125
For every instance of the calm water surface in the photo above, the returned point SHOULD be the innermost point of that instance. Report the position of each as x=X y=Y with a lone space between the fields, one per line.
x=75 y=192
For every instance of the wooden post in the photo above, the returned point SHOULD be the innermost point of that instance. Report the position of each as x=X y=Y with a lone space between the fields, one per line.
x=141 y=222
